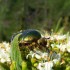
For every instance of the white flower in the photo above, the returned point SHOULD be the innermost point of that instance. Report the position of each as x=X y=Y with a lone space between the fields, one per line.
x=34 y=54
x=53 y=45
x=38 y=56
x=62 y=47
x=48 y=65
x=4 y=52
x=45 y=66
x=60 y=37
x=57 y=58
x=52 y=38
x=45 y=54
x=2 y=60
x=42 y=55
x=31 y=53
x=41 y=66
x=55 y=61
x=68 y=46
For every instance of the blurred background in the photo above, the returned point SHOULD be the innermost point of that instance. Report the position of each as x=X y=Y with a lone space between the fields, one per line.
x=44 y=15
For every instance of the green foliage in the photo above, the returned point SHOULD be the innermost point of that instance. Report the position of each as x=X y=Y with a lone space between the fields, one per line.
x=13 y=66
x=67 y=67
x=15 y=53
x=18 y=58
x=4 y=66
x=24 y=65
x=58 y=25
x=16 y=15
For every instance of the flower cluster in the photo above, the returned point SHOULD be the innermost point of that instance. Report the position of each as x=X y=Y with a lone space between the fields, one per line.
x=4 y=52
x=49 y=60
x=57 y=57
x=61 y=42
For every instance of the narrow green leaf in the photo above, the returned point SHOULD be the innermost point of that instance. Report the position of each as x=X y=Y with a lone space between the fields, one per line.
x=12 y=67
x=24 y=65
x=58 y=25
x=15 y=52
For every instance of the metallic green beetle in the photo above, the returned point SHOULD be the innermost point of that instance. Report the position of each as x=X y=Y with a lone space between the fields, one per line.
x=29 y=35
x=31 y=38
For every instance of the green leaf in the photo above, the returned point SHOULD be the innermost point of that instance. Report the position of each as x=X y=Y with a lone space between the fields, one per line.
x=12 y=67
x=24 y=65
x=4 y=66
x=67 y=68
x=15 y=52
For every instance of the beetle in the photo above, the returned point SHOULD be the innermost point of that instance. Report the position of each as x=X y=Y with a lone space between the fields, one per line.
x=30 y=38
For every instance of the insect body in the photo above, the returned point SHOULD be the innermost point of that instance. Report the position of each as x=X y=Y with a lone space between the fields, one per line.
x=31 y=39
x=29 y=36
